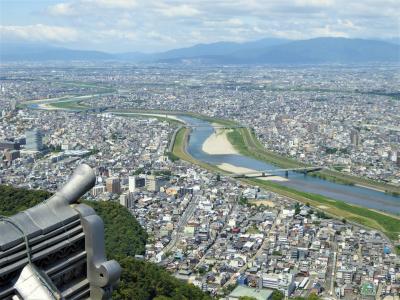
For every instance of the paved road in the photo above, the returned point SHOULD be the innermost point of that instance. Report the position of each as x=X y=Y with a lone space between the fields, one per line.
x=190 y=209
x=234 y=207
x=332 y=291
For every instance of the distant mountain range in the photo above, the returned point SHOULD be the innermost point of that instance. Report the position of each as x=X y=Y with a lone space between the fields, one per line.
x=265 y=51
x=36 y=52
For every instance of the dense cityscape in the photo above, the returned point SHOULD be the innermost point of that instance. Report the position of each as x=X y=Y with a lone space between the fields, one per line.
x=225 y=236
x=321 y=116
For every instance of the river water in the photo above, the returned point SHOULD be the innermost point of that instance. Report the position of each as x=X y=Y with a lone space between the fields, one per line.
x=351 y=194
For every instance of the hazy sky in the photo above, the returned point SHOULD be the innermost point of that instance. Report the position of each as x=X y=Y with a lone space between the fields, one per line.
x=153 y=25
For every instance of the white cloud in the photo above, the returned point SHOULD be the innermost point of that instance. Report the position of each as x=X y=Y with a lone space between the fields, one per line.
x=172 y=11
x=124 y=4
x=40 y=32
x=81 y=7
x=115 y=34
x=234 y=22
x=328 y=31
x=61 y=9
x=317 y=3
x=161 y=37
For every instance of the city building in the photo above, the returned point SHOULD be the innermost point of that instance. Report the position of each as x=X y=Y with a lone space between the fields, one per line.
x=11 y=155
x=136 y=182
x=98 y=190
x=34 y=140
x=113 y=185
x=9 y=145
x=126 y=200
x=283 y=282
x=355 y=137
x=244 y=291
x=152 y=183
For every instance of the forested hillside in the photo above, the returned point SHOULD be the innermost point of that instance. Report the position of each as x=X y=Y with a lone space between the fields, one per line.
x=124 y=237
x=13 y=200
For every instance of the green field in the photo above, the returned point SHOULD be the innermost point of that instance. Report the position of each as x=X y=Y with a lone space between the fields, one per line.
x=73 y=105
x=248 y=145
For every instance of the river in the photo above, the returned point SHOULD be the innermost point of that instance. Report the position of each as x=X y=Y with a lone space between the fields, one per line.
x=350 y=194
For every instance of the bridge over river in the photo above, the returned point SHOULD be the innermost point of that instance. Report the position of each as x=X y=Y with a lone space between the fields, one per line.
x=274 y=172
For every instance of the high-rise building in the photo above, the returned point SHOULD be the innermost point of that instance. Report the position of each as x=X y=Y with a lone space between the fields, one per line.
x=152 y=183
x=98 y=190
x=355 y=137
x=34 y=140
x=136 y=182
x=9 y=145
x=11 y=155
x=126 y=200
x=13 y=105
x=113 y=185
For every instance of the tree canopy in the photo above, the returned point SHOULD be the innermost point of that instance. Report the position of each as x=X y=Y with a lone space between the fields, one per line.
x=13 y=200
x=123 y=234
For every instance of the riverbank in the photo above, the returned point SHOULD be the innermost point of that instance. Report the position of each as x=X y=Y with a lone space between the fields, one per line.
x=244 y=140
x=218 y=143
x=387 y=224
x=237 y=170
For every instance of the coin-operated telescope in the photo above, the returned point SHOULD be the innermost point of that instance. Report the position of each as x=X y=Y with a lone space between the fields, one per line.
x=55 y=250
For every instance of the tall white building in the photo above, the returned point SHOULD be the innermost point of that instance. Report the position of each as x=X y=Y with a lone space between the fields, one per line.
x=135 y=182
x=124 y=200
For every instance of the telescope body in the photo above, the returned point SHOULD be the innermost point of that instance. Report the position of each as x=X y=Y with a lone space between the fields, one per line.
x=66 y=245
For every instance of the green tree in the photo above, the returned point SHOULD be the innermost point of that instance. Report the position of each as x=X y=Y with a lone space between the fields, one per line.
x=123 y=233
x=313 y=296
x=297 y=208
x=277 y=295
x=142 y=281
x=13 y=200
x=243 y=200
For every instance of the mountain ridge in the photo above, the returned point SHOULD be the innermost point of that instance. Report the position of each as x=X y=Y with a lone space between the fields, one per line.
x=264 y=51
